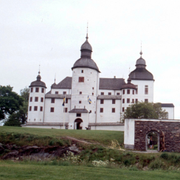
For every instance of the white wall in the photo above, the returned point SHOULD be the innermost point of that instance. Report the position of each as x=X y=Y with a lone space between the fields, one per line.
x=129 y=130
x=170 y=111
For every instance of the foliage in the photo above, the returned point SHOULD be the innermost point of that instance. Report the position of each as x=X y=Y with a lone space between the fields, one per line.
x=145 y=110
x=10 y=101
x=19 y=117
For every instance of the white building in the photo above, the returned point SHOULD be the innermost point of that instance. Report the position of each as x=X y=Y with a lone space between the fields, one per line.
x=89 y=101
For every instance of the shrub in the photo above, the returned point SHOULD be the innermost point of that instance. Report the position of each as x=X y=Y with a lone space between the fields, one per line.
x=157 y=164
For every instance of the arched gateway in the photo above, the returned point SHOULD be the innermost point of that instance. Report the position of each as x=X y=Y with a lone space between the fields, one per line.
x=78 y=123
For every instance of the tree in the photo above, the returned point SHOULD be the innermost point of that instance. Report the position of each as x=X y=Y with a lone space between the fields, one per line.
x=144 y=110
x=10 y=101
x=20 y=117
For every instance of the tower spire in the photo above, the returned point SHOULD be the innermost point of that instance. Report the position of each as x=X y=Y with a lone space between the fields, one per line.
x=141 y=50
x=87 y=32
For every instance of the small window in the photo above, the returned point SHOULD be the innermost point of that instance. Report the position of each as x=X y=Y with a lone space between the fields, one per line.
x=137 y=89
x=136 y=100
x=102 y=93
x=82 y=71
x=42 y=90
x=52 y=109
x=42 y=99
x=37 y=89
x=113 y=101
x=79 y=102
x=36 y=99
x=35 y=108
x=146 y=100
x=113 y=110
x=92 y=94
x=30 y=108
x=52 y=100
x=31 y=89
x=81 y=79
x=41 y=108
x=56 y=92
x=123 y=109
x=128 y=91
x=80 y=92
x=109 y=93
x=78 y=115
x=92 y=88
x=65 y=110
x=133 y=91
x=128 y=100
x=118 y=94
x=123 y=100
x=66 y=100
x=30 y=99
x=64 y=92
x=102 y=101
x=123 y=91
x=101 y=110
x=146 y=89
x=132 y=100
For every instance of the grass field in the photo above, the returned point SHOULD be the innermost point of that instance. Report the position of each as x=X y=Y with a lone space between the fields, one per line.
x=25 y=171
x=104 y=137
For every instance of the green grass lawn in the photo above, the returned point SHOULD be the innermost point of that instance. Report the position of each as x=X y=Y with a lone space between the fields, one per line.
x=104 y=137
x=35 y=171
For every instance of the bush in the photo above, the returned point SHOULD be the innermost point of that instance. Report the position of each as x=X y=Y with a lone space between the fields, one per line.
x=157 y=164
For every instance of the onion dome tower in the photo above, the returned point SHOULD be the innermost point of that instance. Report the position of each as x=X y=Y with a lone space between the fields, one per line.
x=85 y=85
x=36 y=101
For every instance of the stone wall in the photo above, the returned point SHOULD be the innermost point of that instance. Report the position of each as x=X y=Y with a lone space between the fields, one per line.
x=168 y=131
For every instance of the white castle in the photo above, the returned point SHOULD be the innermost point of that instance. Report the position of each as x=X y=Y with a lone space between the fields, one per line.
x=85 y=101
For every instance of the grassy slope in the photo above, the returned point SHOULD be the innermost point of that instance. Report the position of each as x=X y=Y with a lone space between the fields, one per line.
x=103 y=137
x=13 y=171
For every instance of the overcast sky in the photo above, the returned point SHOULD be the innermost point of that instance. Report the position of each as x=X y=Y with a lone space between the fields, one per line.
x=50 y=33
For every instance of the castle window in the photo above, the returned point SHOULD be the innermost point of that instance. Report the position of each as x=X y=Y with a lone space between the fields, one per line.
x=35 y=108
x=118 y=94
x=81 y=79
x=51 y=109
x=123 y=91
x=123 y=100
x=113 y=110
x=132 y=100
x=82 y=71
x=102 y=101
x=137 y=89
x=113 y=101
x=128 y=91
x=41 y=108
x=37 y=89
x=93 y=88
x=101 y=110
x=30 y=99
x=65 y=110
x=66 y=100
x=123 y=109
x=133 y=91
x=146 y=89
x=42 y=99
x=64 y=92
x=102 y=93
x=146 y=100
x=78 y=115
x=31 y=89
x=30 y=108
x=92 y=94
x=36 y=99
x=80 y=92
x=42 y=90
x=56 y=92
x=79 y=102
x=52 y=100
x=128 y=100
x=136 y=100
x=109 y=93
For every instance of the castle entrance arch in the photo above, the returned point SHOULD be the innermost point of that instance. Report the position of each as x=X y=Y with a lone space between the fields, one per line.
x=152 y=140
x=78 y=123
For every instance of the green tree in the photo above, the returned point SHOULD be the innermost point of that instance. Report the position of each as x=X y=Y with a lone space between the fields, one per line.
x=20 y=117
x=144 y=110
x=10 y=101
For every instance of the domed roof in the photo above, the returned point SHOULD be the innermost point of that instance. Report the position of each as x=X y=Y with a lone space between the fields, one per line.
x=38 y=82
x=85 y=61
x=141 y=73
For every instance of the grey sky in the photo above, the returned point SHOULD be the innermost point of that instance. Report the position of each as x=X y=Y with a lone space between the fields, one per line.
x=50 y=33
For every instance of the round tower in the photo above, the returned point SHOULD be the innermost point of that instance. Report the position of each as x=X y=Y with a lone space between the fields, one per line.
x=143 y=80
x=36 y=101
x=85 y=85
